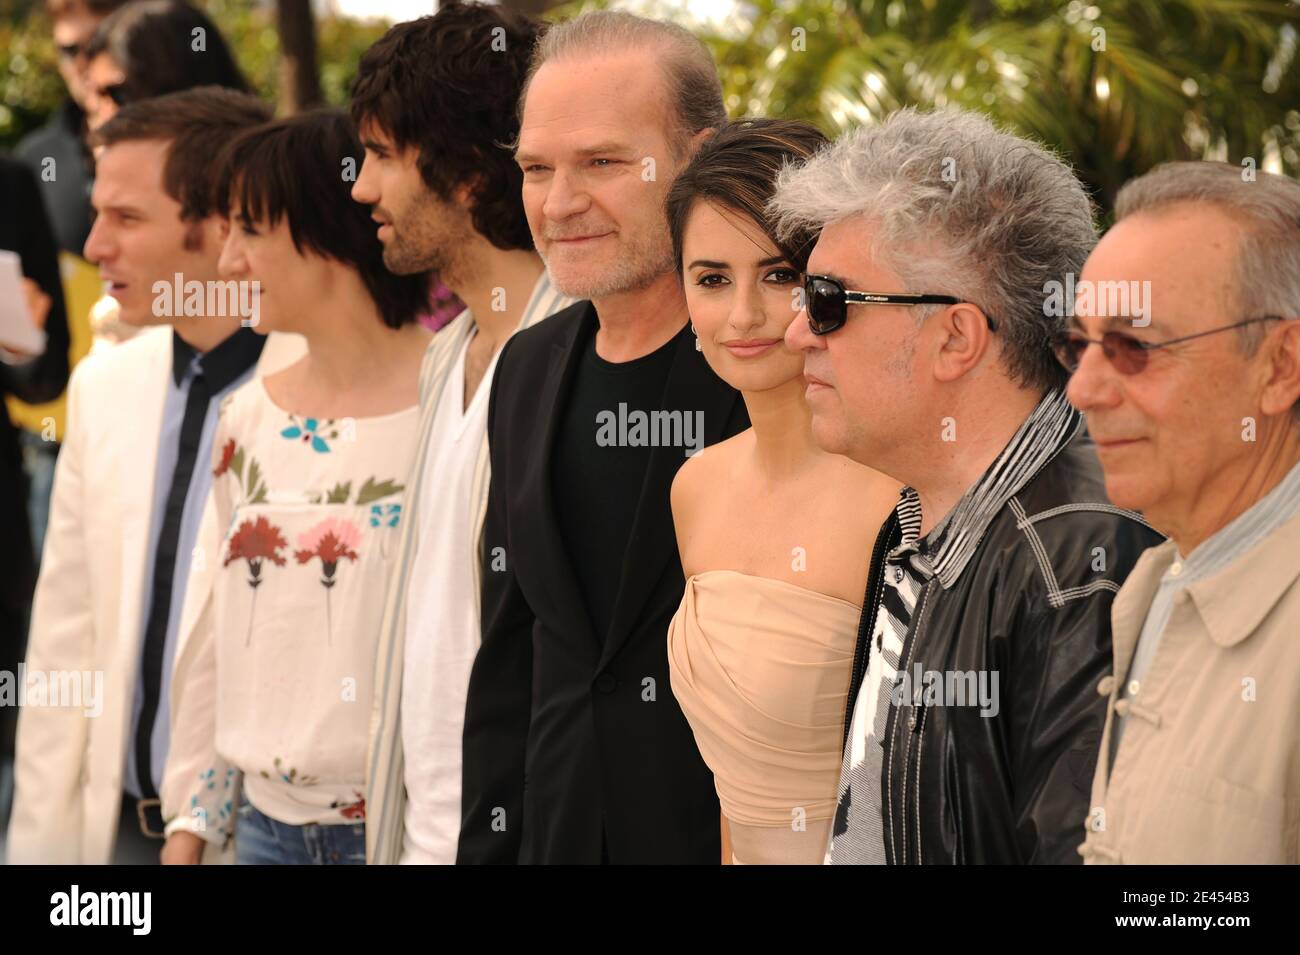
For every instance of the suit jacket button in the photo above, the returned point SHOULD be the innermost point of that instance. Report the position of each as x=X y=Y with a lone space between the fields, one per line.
x=1106 y=685
x=606 y=683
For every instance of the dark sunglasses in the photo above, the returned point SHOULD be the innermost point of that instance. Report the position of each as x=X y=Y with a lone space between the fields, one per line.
x=1127 y=354
x=827 y=302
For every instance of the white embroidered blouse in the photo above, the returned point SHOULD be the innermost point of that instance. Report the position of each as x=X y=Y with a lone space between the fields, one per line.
x=281 y=684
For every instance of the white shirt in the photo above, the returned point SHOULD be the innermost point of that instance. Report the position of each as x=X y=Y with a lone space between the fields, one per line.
x=442 y=625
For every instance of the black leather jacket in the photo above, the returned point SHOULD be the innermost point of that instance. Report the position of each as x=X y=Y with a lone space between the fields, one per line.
x=1032 y=607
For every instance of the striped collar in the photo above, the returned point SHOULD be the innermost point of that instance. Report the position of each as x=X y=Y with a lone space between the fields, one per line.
x=949 y=546
x=1242 y=533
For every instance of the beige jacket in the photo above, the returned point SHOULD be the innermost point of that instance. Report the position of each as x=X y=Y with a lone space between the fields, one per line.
x=1208 y=768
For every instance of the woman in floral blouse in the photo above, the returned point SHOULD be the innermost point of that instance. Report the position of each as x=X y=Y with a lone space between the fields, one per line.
x=272 y=690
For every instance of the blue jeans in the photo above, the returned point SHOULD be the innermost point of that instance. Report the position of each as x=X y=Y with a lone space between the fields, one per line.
x=261 y=840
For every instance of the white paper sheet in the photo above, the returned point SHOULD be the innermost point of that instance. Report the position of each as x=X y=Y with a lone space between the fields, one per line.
x=17 y=332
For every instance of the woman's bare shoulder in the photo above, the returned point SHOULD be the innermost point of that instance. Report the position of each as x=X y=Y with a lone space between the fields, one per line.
x=703 y=469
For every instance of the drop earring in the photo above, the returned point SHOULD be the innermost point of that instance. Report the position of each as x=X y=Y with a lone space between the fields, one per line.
x=698 y=346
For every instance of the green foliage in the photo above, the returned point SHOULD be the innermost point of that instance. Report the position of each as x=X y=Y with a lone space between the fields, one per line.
x=30 y=85
x=31 y=88
x=1165 y=79
x=250 y=29
x=1175 y=79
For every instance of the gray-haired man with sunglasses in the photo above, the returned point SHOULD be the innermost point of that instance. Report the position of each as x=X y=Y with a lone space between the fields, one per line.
x=1196 y=415
x=973 y=720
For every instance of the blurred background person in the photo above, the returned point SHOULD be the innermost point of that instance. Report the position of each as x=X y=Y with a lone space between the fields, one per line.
x=62 y=139
x=775 y=534
x=26 y=232
x=57 y=155
x=151 y=47
x=275 y=683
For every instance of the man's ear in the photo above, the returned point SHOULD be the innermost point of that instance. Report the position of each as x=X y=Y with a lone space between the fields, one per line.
x=964 y=338
x=695 y=142
x=1282 y=386
x=464 y=192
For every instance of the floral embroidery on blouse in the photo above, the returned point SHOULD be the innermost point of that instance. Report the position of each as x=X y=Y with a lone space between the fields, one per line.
x=332 y=540
x=354 y=811
x=322 y=505
x=306 y=431
x=371 y=490
x=208 y=784
x=385 y=515
x=291 y=777
x=256 y=541
x=250 y=481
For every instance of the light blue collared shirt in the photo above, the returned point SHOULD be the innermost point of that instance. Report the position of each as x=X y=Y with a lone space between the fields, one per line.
x=196 y=496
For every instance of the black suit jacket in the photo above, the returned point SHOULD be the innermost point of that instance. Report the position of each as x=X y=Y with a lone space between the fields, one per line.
x=563 y=741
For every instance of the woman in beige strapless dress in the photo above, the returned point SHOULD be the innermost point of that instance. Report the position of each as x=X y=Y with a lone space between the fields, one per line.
x=775 y=534
x=761 y=670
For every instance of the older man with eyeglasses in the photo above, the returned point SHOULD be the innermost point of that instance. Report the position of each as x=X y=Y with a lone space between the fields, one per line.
x=1196 y=413
x=973 y=720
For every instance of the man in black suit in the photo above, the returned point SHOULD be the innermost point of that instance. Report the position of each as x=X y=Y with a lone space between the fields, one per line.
x=575 y=750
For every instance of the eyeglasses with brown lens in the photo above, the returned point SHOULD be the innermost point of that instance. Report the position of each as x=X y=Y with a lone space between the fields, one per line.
x=1127 y=354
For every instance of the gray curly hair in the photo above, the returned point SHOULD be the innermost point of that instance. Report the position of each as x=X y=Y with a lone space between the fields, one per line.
x=958 y=207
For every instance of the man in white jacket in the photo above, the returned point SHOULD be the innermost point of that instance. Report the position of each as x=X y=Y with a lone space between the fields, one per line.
x=130 y=487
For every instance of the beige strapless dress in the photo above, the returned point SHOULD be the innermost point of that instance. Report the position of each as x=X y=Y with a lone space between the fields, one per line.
x=761 y=669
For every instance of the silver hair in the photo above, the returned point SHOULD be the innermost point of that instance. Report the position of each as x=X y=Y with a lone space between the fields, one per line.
x=690 y=75
x=957 y=207
x=1266 y=274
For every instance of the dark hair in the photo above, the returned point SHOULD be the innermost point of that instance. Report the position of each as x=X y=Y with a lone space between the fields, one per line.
x=196 y=123
x=152 y=41
x=737 y=167
x=448 y=85
x=294 y=168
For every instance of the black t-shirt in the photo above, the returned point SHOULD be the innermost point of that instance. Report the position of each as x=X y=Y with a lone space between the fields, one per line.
x=599 y=466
